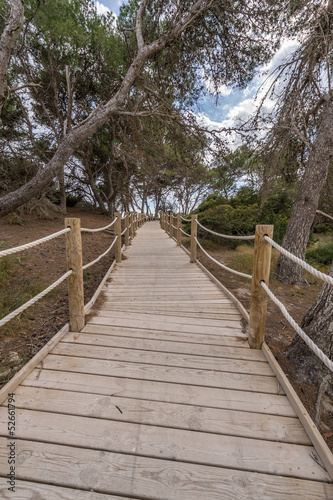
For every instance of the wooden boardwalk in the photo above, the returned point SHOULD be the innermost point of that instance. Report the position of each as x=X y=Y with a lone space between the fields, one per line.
x=158 y=397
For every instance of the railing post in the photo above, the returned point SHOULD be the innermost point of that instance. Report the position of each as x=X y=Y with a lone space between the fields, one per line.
x=132 y=225
x=127 y=223
x=179 y=234
x=118 y=233
x=75 y=280
x=170 y=224
x=194 y=232
x=261 y=270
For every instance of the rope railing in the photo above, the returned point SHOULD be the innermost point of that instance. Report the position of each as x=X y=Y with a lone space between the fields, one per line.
x=87 y=230
x=74 y=263
x=243 y=275
x=228 y=236
x=186 y=220
x=188 y=235
x=32 y=301
x=300 y=262
x=86 y=266
x=321 y=355
x=32 y=244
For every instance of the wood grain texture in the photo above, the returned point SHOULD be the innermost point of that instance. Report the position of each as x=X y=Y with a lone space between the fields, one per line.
x=164 y=414
x=160 y=397
x=75 y=280
x=271 y=404
x=149 y=478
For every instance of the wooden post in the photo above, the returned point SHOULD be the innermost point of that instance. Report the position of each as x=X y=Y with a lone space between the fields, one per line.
x=179 y=234
x=118 y=233
x=127 y=223
x=132 y=225
x=75 y=280
x=170 y=224
x=194 y=231
x=261 y=269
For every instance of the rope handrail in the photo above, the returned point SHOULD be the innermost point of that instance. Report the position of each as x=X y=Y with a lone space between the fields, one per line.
x=175 y=227
x=32 y=244
x=300 y=262
x=188 y=235
x=321 y=355
x=122 y=234
x=86 y=266
x=230 y=237
x=248 y=276
x=30 y=302
x=87 y=230
x=186 y=220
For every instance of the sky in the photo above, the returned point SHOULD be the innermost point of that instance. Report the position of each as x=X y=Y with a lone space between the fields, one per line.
x=231 y=103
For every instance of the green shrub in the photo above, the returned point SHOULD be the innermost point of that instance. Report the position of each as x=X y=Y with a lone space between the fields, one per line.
x=322 y=228
x=323 y=254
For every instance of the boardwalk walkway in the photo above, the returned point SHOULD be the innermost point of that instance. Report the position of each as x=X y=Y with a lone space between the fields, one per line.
x=159 y=397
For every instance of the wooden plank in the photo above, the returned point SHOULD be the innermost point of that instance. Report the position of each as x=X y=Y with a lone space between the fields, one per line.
x=196 y=338
x=309 y=426
x=144 y=309
x=165 y=346
x=164 y=359
x=181 y=321
x=27 y=490
x=226 y=380
x=178 y=416
x=148 y=478
x=197 y=447
x=228 y=328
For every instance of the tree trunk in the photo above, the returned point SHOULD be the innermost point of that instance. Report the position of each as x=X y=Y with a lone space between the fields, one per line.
x=318 y=324
x=62 y=190
x=8 y=39
x=101 y=114
x=306 y=203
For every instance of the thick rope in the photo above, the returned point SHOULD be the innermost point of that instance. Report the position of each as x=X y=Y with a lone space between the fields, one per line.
x=188 y=235
x=19 y=310
x=298 y=329
x=186 y=220
x=122 y=234
x=300 y=262
x=101 y=256
x=226 y=235
x=175 y=227
x=10 y=251
x=221 y=265
x=86 y=230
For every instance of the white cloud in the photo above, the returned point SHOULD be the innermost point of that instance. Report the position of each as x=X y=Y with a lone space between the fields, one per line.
x=220 y=90
x=102 y=9
x=250 y=97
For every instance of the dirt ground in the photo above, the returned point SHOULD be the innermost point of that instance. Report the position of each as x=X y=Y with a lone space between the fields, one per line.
x=22 y=338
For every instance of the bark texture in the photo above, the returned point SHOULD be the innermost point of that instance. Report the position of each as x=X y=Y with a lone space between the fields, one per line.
x=304 y=209
x=8 y=39
x=318 y=324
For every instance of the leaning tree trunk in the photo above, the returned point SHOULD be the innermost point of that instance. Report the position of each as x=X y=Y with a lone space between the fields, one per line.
x=62 y=190
x=318 y=324
x=306 y=203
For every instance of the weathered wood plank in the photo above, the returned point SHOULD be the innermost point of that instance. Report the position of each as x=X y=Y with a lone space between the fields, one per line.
x=27 y=490
x=149 y=324
x=174 y=444
x=164 y=359
x=178 y=416
x=174 y=336
x=271 y=404
x=226 y=380
x=142 y=477
x=165 y=346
